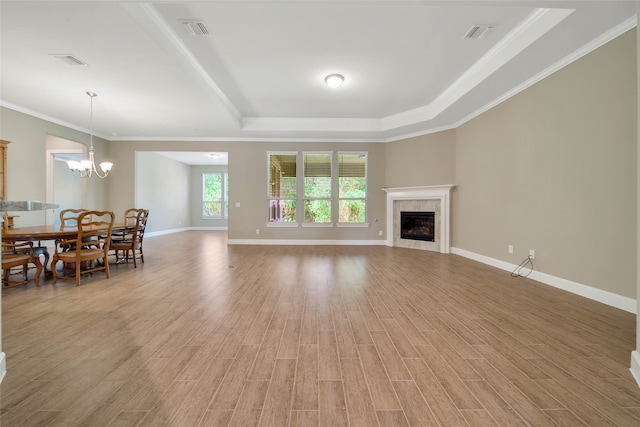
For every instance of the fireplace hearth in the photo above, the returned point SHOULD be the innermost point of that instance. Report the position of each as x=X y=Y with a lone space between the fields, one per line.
x=417 y=226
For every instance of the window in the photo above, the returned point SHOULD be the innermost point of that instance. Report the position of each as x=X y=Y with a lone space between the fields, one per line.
x=215 y=195
x=352 y=187
x=283 y=186
x=317 y=188
x=332 y=188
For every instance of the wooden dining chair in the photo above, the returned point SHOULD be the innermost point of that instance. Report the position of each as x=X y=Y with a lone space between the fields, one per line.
x=69 y=217
x=128 y=240
x=19 y=254
x=90 y=245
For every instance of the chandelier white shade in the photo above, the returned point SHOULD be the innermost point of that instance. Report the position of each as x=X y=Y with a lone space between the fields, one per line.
x=87 y=168
x=334 y=81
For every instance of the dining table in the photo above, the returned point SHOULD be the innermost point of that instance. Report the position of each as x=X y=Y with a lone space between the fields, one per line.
x=50 y=232
x=42 y=233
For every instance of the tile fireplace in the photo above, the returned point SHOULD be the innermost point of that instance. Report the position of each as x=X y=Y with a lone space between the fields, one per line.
x=422 y=203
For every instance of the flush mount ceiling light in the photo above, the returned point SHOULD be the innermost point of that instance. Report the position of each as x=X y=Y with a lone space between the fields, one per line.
x=334 y=81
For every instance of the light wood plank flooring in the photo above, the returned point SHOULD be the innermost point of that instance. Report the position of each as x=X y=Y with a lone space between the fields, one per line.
x=205 y=334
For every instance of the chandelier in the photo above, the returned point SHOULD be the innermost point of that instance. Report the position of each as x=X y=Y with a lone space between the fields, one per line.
x=87 y=168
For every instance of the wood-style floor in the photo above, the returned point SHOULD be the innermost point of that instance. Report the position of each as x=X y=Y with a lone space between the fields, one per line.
x=205 y=334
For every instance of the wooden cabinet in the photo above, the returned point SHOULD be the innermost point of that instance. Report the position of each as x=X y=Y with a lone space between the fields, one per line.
x=3 y=169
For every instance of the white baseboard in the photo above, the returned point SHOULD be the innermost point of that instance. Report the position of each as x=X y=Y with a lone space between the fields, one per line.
x=635 y=366
x=209 y=228
x=275 y=241
x=163 y=232
x=3 y=365
x=306 y=242
x=180 y=230
x=605 y=297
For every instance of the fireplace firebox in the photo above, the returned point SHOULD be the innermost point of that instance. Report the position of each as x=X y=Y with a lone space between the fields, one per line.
x=417 y=225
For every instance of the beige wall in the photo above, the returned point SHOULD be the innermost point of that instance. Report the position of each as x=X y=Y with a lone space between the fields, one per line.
x=248 y=186
x=162 y=186
x=554 y=169
x=26 y=161
x=423 y=160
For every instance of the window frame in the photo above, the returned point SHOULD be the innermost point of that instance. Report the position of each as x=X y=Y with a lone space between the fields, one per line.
x=330 y=198
x=300 y=197
x=366 y=190
x=271 y=198
x=224 y=195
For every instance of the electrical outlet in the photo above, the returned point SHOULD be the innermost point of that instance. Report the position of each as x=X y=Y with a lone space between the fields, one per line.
x=532 y=253
x=380 y=233
x=510 y=249
x=257 y=231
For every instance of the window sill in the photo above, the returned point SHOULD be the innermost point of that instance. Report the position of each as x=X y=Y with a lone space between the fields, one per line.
x=282 y=224
x=318 y=225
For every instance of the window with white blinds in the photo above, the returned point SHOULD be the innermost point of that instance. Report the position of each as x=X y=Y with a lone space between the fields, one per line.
x=283 y=187
x=317 y=188
x=329 y=187
x=352 y=187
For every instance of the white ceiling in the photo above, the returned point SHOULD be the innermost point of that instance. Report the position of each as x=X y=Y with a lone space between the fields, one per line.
x=259 y=74
x=196 y=158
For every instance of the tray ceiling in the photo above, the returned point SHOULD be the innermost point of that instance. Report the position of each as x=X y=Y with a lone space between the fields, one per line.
x=259 y=72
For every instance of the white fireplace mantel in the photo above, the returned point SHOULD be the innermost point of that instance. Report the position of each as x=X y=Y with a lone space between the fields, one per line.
x=430 y=192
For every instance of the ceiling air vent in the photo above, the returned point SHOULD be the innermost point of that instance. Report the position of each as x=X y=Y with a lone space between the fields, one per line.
x=479 y=31
x=68 y=59
x=196 y=28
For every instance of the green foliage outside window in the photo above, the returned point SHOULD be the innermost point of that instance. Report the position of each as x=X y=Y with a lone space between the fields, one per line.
x=352 y=188
x=352 y=205
x=214 y=194
x=317 y=211
x=212 y=186
x=317 y=187
x=212 y=209
x=283 y=211
x=319 y=170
